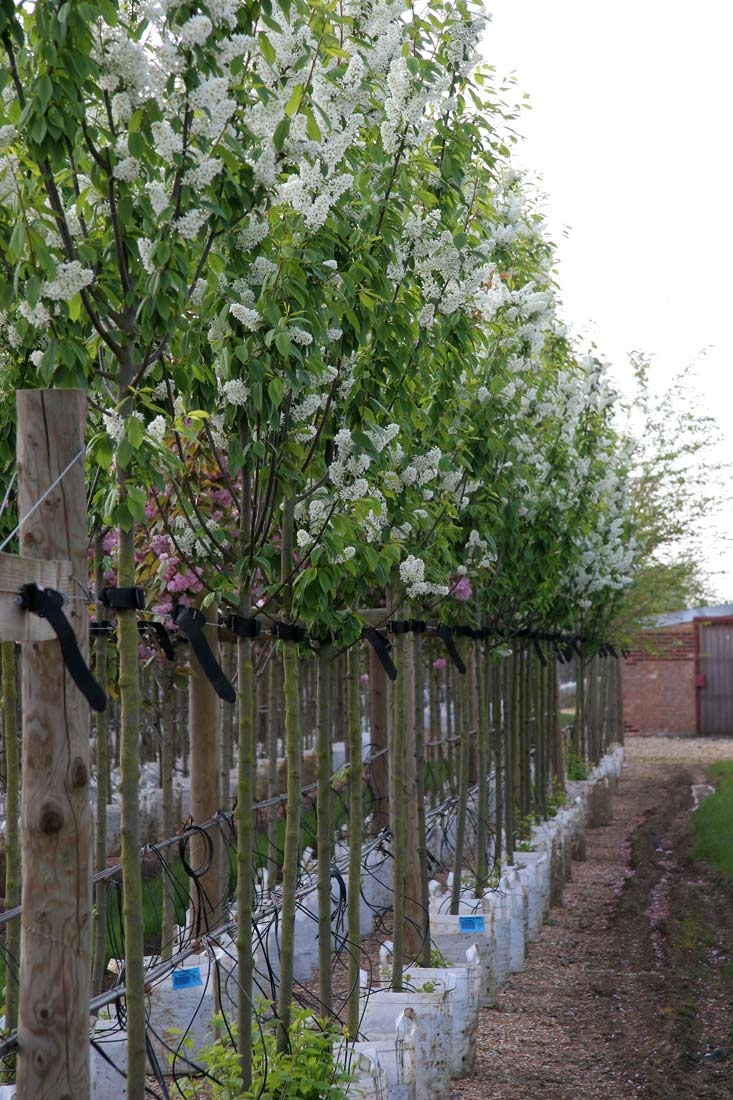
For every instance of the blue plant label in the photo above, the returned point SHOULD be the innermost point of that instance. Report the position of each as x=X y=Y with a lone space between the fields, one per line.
x=471 y=924
x=187 y=978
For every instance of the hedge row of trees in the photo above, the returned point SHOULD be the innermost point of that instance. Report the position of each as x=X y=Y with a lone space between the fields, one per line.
x=283 y=250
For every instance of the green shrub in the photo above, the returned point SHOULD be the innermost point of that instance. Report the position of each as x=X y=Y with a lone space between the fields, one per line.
x=305 y=1072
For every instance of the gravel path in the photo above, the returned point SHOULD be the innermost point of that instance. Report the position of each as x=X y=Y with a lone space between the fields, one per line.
x=605 y=1008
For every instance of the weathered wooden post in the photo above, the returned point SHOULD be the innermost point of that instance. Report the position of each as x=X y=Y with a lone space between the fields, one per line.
x=56 y=832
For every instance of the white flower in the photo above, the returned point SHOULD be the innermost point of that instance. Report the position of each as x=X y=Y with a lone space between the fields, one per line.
x=114 y=425
x=126 y=170
x=235 y=392
x=159 y=199
x=37 y=316
x=190 y=224
x=304 y=539
x=145 y=249
x=195 y=31
x=300 y=336
x=156 y=429
x=70 y=278
x=166 y=141
x=250 y=318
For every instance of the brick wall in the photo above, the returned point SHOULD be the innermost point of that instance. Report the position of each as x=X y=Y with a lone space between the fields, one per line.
x=659 y=682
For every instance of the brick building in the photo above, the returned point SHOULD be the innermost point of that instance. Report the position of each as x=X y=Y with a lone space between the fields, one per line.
x=678 y=677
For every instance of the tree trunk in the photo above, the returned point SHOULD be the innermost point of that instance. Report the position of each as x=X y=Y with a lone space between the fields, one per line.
x=103 y=784
x=293 y=756
x=463 y=778
x=397 y=815
x=355 y=838
x=324 y=824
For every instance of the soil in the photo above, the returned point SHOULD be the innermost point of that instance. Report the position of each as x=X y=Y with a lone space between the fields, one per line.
x=628 y=991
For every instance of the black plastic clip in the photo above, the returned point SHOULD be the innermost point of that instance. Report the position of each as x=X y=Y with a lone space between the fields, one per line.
x=47 y=604
x=190 y=621
x=446 y=634
x=163 y=638
x=243 y=628
x=288 y=632
x=418 y=626
x=381 y=647
x=539 y=651
x=399 y=626
x=123 y=599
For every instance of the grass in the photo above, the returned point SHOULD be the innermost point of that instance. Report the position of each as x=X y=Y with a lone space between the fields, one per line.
x=712 y=821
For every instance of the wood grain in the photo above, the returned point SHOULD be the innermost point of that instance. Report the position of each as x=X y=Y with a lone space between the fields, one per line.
x=53 y=1042
x=17 y=625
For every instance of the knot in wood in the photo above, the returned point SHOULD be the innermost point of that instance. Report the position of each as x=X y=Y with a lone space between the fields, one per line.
x=79 y=774
x=52 y=819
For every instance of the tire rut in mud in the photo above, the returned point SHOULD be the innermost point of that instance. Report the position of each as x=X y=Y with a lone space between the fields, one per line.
x=673 y=927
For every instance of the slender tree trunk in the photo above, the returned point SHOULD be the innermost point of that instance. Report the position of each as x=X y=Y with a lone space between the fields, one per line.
x=413 y=886
x=463 y=778
x=378 y=695
x=509 y=762
x=324 y=824
x=484 y=764
x=356 y=814
x=12 y=837
x=293 y=756
x=273 y=788
x=397 y=815
x=497 y=730
x=246 y=779
x=167 y=763
x=227 y=716
x=420 y=764
x=103 y=791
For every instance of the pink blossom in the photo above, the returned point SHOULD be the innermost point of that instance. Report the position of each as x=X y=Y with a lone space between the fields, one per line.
x=439 y=663
x=461 y=589
x=109 y=542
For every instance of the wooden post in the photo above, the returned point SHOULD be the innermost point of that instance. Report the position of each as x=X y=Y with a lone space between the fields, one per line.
x=56 y=833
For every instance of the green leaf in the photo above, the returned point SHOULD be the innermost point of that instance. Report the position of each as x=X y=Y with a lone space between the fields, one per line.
x=293 y=104
x=275 y=392
x=281 y=132
x=311 y=126
x=136 y=500
x=283 y=344
x=267 y=49
x=134 y=431
x=74 y=306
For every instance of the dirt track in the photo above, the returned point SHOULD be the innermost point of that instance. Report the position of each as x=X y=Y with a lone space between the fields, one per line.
x=629 y=990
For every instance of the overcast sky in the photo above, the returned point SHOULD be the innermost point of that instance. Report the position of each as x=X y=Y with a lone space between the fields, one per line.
x=630 y=130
